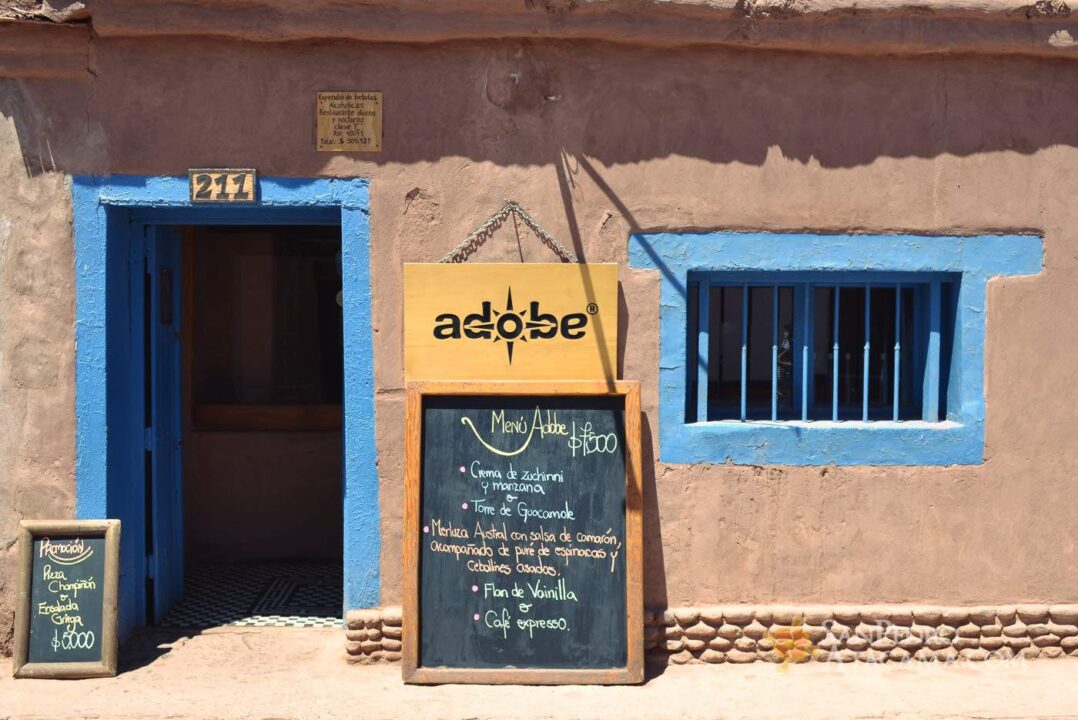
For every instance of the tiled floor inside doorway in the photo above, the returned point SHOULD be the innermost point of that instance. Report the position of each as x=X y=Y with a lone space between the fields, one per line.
x=263 y=595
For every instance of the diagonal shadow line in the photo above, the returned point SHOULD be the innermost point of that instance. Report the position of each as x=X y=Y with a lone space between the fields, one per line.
x=634 y=226
x=567 y=201
x=609 y=364
x=654 y=560
x=694 y=360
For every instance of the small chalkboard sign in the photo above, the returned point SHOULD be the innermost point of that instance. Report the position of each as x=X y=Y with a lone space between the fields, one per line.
x=65 y=612
x=522 y=549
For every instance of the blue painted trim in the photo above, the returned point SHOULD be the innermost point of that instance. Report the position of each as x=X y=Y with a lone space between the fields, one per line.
x=822 y=279
x=957 y=440
x=91 y=433
x=250 y=215
x=106 y=211
x=362 y=520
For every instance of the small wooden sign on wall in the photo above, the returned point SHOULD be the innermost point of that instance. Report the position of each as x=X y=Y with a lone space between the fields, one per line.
x=349 y=121
x=223 y=185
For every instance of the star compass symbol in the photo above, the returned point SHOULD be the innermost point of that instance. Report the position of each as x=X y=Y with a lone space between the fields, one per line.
x=509 y=325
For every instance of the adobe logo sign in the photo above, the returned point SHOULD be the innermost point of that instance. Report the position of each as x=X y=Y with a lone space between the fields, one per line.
x=510 y=326
x=555 y=321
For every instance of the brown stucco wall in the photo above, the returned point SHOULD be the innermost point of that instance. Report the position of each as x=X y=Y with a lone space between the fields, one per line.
x=37 y=348
x=597 y=140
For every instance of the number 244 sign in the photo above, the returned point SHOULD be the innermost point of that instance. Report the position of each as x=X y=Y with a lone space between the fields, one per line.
x=224 y=185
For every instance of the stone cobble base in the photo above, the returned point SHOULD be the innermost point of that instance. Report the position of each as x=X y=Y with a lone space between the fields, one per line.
x=893 y=633
x=374 y=635
x=843 y=633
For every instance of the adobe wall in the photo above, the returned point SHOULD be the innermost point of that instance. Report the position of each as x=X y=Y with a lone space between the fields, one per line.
x=596 y=141
x=37 y=354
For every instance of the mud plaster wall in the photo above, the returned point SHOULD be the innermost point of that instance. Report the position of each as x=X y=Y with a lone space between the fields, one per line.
x=598 y=141
x=37 y=380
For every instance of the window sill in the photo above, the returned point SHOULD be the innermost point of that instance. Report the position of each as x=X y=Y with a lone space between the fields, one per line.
x=825 y=443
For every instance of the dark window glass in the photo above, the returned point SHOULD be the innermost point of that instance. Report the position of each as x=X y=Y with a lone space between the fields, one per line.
x=830 y=346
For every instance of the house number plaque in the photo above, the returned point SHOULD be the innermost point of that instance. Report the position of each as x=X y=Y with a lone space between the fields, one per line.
x=222 y=185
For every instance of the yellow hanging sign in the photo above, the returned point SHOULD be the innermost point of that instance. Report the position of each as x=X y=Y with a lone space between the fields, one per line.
x=510 y=321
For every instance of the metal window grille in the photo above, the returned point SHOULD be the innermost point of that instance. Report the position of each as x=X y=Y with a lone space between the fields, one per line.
x=827 y=347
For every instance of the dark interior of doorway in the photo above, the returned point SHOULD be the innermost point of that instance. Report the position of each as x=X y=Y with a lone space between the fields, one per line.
x=262 y=427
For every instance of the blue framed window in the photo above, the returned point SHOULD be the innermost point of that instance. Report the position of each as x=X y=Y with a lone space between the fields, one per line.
x=839 y=346
x=806 y=349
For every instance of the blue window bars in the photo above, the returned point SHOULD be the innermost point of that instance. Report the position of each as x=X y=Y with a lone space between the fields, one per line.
x=834 y=346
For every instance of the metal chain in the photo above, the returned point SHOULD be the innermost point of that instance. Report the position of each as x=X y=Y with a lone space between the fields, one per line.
x=485 y=231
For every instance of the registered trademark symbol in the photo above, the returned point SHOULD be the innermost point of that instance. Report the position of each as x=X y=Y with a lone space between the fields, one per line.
x=592 y=308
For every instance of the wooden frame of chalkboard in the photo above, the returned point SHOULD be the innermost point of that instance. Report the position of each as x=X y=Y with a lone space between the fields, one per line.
x=632 y=671
x=30 y=530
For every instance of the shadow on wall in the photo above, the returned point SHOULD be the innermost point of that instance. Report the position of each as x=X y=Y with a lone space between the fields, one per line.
x=655 y=592
x=147 y=109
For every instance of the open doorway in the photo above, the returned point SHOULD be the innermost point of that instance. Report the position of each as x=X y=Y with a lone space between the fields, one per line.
x=129 y=399
x=262 y=391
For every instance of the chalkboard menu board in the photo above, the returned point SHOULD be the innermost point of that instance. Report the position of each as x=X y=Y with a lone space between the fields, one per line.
x=523 y=549
x=66 y=605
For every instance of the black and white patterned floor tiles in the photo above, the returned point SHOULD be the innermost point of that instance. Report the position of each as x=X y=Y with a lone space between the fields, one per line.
x=263 y=595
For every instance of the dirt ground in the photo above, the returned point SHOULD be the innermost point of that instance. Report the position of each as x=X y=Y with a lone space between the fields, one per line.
x=286 y=673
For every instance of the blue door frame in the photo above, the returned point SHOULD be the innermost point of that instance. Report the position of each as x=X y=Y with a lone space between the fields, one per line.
x=160 y=308
x=113 y=217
